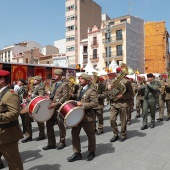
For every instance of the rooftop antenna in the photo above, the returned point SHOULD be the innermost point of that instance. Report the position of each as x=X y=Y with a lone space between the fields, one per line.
x=130 y=5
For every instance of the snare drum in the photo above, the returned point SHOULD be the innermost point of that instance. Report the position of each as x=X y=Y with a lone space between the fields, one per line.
x=24 y=107
x=38 y=109
x=70 y=114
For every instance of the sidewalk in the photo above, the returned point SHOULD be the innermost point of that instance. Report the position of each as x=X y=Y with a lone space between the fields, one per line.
x=143 y=150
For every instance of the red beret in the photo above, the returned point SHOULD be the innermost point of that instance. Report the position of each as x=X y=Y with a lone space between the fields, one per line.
x=4 y=73
x=118 y=69
x=101 y=78
x=111 y=74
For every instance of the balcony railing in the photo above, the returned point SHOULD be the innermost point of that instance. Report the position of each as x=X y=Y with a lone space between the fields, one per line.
x=113 y=54
x=94 y=44
x=113 y=39
x=94 y=58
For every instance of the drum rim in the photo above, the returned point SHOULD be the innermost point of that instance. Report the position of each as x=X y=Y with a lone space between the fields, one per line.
x=65 y=104
x=31 y=101
x=71 y=111
x=35 y=105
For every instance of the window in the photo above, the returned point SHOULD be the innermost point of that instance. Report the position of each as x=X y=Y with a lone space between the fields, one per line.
x=69 y=18
x=108 y=51
x=72 y=38
x=94 y=53
x=108 y=37
x=85 y=49
x=70 y=28
x=72 y=48
x=72 y=7
x=123 y=20
x=119 y=35
x=119 y=50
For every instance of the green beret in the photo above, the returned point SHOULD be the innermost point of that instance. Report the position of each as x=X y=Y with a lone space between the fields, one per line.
x=85 y=76
x=38 y=78
x=58 y=71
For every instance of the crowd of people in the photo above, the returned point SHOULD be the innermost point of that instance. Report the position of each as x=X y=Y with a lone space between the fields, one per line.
x=89 y=95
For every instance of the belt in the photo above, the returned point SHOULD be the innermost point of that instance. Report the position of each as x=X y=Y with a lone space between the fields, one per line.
x=10 y=124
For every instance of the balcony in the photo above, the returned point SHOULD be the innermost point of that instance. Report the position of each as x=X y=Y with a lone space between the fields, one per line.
x=94 y=58
x=94 y=44
x=113 y=39
x=113 y=55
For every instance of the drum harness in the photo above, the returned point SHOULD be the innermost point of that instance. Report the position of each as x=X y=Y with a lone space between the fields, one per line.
x=82 y=92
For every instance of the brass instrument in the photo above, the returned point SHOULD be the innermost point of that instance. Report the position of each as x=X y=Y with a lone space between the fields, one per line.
x=95 y=79
x=117 y=86
x=72 y=82
x=162 y=90
x=47 y=86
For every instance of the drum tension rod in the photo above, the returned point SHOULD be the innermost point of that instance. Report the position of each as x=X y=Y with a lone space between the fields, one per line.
x=38 y=109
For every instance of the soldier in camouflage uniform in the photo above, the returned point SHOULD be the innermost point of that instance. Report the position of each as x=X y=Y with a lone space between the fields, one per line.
x=151 y=88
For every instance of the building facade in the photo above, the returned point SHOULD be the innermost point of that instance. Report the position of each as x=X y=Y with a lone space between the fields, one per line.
x=120 y=39
x=157 y=57
x=14 y=53
x=80 y=14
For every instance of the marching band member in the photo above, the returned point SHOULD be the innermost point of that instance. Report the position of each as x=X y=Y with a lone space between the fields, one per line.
x=37 y=90
x=10 y=131
x=139 y=96
x=98 y=111
x=87 y=98
x=58 y=96
x=120 y=106
x=164 y=97
x=22 y=92
x=150 y=99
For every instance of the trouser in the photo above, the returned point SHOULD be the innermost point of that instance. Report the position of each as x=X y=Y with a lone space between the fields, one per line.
x=0 y=158
x=129 y=114
x=113 y=117
x=50 y=129
x=149 y=105
x=28 y=132
x=11 y=153
x=139 y=104
x=23 y=123
x=99 y=114
x=89 y=130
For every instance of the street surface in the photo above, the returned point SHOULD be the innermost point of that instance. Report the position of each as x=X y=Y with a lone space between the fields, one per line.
x=143 y=150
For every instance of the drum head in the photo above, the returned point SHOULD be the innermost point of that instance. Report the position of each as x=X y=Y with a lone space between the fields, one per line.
x=74 y=117
x=41 y=113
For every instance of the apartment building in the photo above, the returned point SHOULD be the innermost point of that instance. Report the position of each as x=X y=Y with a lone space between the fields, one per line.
x=157 y=57
x=15 y=52
x=121 y=39
x=80 y=14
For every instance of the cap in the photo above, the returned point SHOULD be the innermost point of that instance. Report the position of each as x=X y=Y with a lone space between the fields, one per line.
x=111 y=74
x=22 y=81
x=38 y=78
x=58 y=71
x=85 y=76
x=150 y=75
x=118 y=69
x=101 y=78
x=4 y=73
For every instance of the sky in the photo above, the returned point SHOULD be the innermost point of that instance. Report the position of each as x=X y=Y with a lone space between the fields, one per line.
x=43 y=21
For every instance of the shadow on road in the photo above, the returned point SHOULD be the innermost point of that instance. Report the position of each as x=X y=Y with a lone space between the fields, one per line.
x=106 y=148
x=134 y=133
x=45 y=167
x=30 y=155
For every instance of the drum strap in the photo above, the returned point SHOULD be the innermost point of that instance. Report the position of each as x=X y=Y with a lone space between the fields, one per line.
x=56 y=87
x=3 y=93
x=82 y=92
